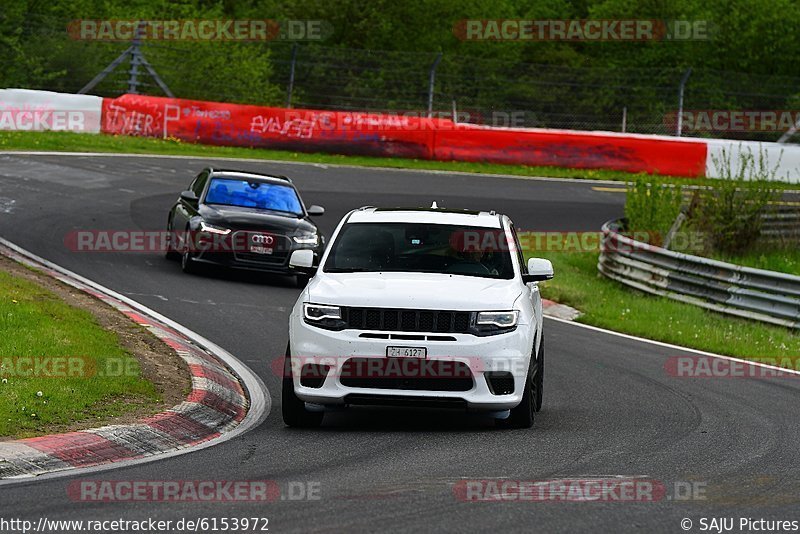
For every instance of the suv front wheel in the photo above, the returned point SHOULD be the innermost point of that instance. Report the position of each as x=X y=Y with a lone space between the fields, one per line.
x=522 y=415
x=293 y=408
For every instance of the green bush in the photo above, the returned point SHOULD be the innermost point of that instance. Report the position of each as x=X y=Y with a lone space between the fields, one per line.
x=651 y=207
x=729 y=213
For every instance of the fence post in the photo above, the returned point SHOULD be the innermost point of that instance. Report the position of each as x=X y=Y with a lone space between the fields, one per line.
x=290 y=87
x=136 y=60
x=684 y=79
x=624 y=118
x=431 y=81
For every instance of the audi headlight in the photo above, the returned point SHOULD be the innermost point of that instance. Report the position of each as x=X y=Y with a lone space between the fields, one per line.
x=323 y=316
x=210 y=228
x=495 y=322
x=306 y=239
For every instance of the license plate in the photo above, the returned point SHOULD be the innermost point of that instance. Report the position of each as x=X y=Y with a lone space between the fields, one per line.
x=406 y=352
x=260 y=250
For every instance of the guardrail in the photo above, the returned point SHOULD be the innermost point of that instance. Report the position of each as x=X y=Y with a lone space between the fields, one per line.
x=781 y=224
x=756 y=294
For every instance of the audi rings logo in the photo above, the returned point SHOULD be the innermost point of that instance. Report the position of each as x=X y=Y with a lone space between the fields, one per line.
x=262 y=239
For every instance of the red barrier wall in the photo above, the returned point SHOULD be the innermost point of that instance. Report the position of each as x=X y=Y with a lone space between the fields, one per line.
x=586 y=150
x=377 y=134
x=255 y=126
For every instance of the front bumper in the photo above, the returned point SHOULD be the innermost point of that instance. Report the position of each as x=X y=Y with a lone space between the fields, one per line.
x=509 y=352
x=270 y=264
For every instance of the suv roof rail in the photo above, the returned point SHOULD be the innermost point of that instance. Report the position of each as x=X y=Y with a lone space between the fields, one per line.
x=434 y=210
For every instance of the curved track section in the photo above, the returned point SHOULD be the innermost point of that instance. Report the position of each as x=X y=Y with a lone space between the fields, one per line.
x=611 y=408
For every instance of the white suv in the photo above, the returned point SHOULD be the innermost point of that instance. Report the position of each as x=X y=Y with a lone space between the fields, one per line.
x=418 y=307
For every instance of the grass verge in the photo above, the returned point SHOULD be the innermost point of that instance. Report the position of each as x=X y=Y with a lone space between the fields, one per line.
x=786 y=260
x=608 y=304
x=36 y=323
x=74 y=142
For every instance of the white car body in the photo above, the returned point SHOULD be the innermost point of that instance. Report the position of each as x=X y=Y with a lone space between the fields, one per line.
x=510 y=351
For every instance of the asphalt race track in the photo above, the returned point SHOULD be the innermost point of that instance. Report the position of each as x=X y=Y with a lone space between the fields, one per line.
x=610 y=407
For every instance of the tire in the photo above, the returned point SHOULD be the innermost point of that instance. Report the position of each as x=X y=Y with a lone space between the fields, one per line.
x=171 y=253
x=292 y=407
x=523 y=415
x=188 y=265
x=540 y=376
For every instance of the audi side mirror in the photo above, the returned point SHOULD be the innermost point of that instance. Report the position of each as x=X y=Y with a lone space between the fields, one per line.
x=316 y=211
x=189 y=196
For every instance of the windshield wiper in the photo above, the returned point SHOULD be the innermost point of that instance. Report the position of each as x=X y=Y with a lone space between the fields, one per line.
x=350 y=270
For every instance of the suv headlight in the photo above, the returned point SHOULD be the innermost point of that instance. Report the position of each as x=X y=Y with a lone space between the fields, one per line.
x=323 y=316
x=306 y=239
x=495 y=322
x=502 y=319
x=205 y=227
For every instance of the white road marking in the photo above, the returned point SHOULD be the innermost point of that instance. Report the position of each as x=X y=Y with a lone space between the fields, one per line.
x=677 y=347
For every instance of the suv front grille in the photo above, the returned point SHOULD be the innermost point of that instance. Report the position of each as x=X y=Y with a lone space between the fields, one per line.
x=402 y=320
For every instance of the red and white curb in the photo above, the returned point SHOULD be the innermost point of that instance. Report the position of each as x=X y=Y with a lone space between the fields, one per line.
x=559 y=311
x=226 y=399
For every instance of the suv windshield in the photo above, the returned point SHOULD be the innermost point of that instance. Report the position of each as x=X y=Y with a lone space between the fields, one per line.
x=253 y=194
x=421 y=248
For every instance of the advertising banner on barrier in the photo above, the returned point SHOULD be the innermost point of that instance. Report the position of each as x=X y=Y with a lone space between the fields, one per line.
x=28 y=110
x=585 y=150
x=405 y=135
x=400 y=135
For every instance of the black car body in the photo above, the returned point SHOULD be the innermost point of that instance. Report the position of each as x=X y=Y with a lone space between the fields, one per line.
x=242 y=220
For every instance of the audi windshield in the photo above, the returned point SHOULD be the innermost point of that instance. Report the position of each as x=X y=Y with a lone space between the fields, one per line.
x=253 y=194
x=421 y=248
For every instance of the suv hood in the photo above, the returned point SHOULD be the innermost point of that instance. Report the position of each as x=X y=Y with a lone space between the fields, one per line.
x=431 y=291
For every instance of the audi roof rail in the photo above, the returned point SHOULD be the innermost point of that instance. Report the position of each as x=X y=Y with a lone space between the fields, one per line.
x=261 y=174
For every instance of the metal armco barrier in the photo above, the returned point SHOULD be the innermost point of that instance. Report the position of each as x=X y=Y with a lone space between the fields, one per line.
x=781 y=224
x=756 y=294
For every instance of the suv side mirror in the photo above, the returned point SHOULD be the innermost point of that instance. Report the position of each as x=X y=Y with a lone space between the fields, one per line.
x=303 y=261
x=316 y=211
x=189 y=196
x=539 y=269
